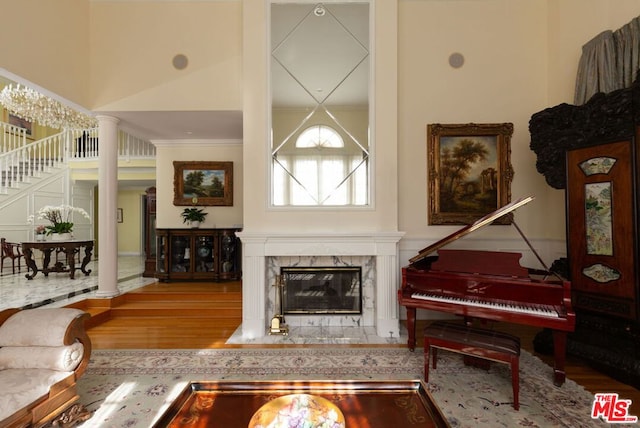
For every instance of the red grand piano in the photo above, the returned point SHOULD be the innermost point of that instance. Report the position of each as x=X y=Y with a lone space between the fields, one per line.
x=488 y=285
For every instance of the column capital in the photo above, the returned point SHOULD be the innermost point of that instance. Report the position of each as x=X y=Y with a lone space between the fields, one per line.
x=103 y=118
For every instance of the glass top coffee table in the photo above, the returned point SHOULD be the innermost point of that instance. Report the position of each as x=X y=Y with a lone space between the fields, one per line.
x=369 y=404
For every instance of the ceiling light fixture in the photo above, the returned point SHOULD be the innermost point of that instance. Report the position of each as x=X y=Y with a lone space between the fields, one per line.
x=33 y=106
x=319 y=10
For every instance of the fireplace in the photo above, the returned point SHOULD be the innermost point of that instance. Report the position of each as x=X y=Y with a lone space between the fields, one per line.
x=265 y=253
x=322 y=290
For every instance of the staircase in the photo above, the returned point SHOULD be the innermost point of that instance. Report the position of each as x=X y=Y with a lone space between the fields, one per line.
x=21 y=163
x=23 y=159
x=24 y=171
x=166 y=316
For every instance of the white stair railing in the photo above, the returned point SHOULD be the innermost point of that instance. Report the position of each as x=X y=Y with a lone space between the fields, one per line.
x=132 y=147
x=24 y=161
x=83 y=145
x=11 y=137
x=31 y=160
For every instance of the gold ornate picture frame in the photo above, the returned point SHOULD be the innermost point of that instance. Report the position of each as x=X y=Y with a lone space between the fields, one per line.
x=469 y=171
x=203 y=183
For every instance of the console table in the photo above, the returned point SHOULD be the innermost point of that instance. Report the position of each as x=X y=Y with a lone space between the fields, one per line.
x=69 y=248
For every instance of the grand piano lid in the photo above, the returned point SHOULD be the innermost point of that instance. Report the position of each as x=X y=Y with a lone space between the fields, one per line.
x=487 y=219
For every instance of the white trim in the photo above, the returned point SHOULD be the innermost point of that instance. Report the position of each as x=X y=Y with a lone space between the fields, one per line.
x=196 y=143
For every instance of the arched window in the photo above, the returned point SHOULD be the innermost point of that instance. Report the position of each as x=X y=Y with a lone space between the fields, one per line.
x=319 y=136
x=325 y=171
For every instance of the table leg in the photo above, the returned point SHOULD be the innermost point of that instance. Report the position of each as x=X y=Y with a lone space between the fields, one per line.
x=46 y=260
x=31 y=263
x=87 y=258
x=71 y=261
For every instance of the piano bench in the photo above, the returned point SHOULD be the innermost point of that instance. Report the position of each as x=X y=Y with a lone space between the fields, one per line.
x=475 y=342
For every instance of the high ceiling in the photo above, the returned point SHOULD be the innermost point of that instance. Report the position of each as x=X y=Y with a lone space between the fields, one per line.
x=169 y=125
x=181 y=125
x=349 y=64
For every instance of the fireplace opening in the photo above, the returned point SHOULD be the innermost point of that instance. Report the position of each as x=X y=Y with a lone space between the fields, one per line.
x=322 y=290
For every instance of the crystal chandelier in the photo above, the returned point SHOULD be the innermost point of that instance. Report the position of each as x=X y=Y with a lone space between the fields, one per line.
x=33 y=106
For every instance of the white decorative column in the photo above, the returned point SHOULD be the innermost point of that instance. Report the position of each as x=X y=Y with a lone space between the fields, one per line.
x=253 y=295
x=107 y=206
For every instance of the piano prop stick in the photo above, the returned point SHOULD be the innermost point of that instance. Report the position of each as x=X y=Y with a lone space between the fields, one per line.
x=278 y=325
x=488 y=285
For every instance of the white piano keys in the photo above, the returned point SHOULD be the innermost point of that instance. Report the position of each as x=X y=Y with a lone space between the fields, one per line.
x=533 y=310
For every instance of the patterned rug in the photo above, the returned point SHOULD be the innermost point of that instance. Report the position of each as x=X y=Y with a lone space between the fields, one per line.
x=131 y=388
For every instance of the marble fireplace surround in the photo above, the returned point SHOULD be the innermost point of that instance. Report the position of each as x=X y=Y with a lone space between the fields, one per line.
x=376 y=253
x=367 y=265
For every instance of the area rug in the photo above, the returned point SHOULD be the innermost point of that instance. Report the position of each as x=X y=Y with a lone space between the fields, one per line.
x=131 y=388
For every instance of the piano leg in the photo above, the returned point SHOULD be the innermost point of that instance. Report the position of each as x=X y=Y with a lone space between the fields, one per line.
x=559 y=352
x=411 y=328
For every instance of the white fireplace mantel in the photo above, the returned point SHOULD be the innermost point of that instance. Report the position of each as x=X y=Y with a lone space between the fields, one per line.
x=383 y=246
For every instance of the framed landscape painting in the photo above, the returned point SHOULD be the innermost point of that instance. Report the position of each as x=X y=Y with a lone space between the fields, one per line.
x=203 y=183
x=469 y=171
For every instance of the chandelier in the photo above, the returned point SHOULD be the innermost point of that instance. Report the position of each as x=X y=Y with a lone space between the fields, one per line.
x=33 y=106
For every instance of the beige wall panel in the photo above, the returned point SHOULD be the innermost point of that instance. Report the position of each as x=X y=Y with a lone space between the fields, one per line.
x=169 y=216
x=503 y=76
x=130 y=230
x=133 y=45
x=46 y=42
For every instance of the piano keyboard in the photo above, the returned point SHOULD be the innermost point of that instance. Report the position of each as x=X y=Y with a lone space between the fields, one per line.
x=539 y=311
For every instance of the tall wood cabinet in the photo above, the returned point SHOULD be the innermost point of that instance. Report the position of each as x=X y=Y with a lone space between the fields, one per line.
x=198 y=254
x=150 y=233
x=593 y=153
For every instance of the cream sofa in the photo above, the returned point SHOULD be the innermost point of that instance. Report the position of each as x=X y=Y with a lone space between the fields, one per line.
x=43 y=353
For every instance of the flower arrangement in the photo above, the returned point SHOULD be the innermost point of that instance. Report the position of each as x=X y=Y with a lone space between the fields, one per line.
x=60 y=218
x=40 y=229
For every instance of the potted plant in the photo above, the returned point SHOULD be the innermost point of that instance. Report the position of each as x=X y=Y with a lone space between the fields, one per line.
x=40 y=231
x=60 y=217
x=194 y=216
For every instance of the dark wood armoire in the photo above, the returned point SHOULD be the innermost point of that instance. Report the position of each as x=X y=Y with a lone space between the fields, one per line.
x=592 y=152
x=150 y=233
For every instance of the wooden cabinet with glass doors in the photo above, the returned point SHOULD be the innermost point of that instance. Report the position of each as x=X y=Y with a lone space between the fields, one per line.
x=198 y=254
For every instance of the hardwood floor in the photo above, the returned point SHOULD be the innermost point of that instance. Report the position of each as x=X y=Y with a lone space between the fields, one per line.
x=204 y=315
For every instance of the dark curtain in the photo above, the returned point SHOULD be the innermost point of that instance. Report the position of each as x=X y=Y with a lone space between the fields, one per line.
x=609 y=61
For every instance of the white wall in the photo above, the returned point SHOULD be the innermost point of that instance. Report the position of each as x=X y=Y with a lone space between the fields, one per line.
x=168 y=215
x=53 y=188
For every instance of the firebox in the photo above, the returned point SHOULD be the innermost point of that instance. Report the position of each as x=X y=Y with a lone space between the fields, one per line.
x=322 y=290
